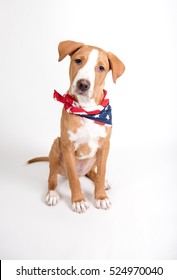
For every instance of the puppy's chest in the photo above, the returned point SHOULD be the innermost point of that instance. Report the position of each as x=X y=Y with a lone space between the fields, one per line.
x=86 y=139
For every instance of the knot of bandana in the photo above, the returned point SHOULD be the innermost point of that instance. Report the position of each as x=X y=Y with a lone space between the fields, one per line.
x=100 y=114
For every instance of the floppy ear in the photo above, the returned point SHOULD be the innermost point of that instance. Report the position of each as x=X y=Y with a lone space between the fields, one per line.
x=116 y=66
x=67 y=48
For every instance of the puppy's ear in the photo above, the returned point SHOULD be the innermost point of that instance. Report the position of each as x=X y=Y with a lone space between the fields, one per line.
x=67 y=48
x=116 y=65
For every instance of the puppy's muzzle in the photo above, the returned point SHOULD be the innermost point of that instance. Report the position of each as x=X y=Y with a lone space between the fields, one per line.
x=82 y=85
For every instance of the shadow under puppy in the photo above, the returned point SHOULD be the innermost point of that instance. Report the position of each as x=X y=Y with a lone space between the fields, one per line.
x=86 y=124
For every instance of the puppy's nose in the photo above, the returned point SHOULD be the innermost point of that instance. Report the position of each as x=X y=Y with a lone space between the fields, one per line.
x=83 y=85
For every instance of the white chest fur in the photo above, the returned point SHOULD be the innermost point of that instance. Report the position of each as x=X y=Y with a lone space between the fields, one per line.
x=89 y=133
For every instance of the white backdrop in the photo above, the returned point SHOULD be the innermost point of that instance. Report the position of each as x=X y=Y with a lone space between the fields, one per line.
x=142 y=165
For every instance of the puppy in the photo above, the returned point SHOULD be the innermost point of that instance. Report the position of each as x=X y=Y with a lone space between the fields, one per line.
x=86 y=124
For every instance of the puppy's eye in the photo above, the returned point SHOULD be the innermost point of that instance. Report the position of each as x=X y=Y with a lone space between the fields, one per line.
x=101 y=68
x=78 y=61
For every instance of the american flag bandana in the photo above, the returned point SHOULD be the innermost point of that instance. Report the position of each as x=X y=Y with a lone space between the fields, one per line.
x=100 y=114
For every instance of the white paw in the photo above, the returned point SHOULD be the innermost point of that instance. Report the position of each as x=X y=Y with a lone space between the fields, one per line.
x=107 y=185
x=52 y=198
x=103 y=204
x=80 y=207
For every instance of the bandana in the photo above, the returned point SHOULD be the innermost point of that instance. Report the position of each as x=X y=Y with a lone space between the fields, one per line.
x=100 y=114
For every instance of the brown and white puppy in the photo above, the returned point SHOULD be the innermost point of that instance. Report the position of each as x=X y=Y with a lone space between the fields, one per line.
x=83 y=146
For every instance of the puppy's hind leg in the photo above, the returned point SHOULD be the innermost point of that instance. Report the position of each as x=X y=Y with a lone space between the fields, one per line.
x=92 y=175
x=52 y=196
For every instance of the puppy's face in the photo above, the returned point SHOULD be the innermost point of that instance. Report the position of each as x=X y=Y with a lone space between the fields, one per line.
x=88 y=69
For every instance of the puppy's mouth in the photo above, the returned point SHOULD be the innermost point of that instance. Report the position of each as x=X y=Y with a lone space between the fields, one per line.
x=83 y=93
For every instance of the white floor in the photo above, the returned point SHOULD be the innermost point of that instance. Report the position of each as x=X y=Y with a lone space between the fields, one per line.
x=142 y=165
x=142 y=223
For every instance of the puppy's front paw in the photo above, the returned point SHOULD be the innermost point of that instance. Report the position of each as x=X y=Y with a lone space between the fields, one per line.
x=80 y=207
x=52 y=198
x=103 y=204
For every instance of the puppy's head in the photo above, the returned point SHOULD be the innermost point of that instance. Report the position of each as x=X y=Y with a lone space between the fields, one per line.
x=88 y=69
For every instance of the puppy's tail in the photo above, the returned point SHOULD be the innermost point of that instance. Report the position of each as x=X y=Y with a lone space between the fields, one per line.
x=38 y=159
